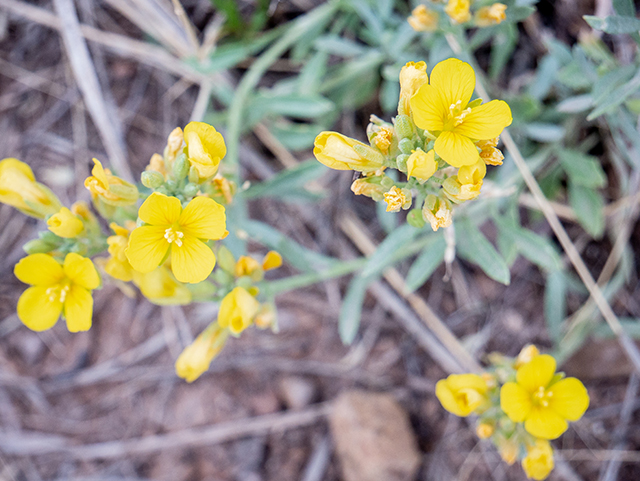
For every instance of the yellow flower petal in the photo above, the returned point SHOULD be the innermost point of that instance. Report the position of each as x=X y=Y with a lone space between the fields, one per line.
x=39 y=270
x=422 y=165
x=78 y=309
x=237 y=310
x=161 y=287
x=461 y=394
x=193 y=261
x=160 y=210
x=569 y=398
x=515 y=402
x=272 y=260
x=147 y=248
x=454 y=80
x=99 y=173
x=65 y=224
x=36 y=310
x=338 y=151
x=538 y=462
x=429 y=111
x=456 y=150
x=203 y=218
x=205 y=147
x=537 y=373
x=81 y=271
x=486 y=121
x=545 y=423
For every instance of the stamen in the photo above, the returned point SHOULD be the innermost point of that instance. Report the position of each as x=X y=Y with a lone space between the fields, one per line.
x=173 y=236
x=456 y=114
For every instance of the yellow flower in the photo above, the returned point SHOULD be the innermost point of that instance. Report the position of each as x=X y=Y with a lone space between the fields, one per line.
x=437 y=212
x=266 y=317
x=174 y=144
x=246 y=266
x=368 y=186
x=382 y=138
x=462 y=394
x=422 y=165
x=412 y=76
x=237 y=310
x=458 y=10
x=441 y=107
x=492 y=15
x=538 y=462
x=223 y=188
x=397 y=199
x=56 y=289
x=467 y=184
x=205 y=148
x=340 y=152
x=508 y=450
x=197 y=356
x=160 y=287
x=526 y=355
x=156 y=164
x=19 y=189
x=541 y=401
x=489 y=153
x=177 y=232
x=109 y=188
x=485 y=430
x=423 y=20
x=65 y=224
x=272 y=260
x=117 y=266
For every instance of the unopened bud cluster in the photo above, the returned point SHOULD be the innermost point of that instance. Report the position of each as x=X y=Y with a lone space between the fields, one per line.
x=426 y=17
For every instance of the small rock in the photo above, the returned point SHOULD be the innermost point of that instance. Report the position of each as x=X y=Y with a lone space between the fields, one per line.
x=373 y=438
x=296 y=392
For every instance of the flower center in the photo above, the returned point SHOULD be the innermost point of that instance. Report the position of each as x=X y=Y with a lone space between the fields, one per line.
x=173 y=236
x=456 y=114
x=470 y=398
x=58 y=292
x=542 y=397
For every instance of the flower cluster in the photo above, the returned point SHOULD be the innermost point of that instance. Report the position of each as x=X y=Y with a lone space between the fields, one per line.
x=521 y=405
x=425 y=18
x=164 y=246
x=441 y=141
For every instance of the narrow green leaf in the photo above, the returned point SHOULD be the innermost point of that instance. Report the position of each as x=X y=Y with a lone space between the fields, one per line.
x=537 y=249
x=351 y=309
x=292 y=105
x=555 y=303
x=340 y=46
x=576 y=104
x=519 y=13
x=616 y=98
x=614 y=24
x=588 y=206
x=426 y=263
x=543 y=132
x=295 y=136
x=583 y=169
x=504 y=43
x=473 y=246
x=287 y=179
x=384 y=254
x=624 y=7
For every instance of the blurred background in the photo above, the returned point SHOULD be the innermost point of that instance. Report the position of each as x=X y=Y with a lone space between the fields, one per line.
x=270 y=75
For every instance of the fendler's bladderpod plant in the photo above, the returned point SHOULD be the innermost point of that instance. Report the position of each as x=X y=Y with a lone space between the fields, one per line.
x=167 y=246
x=521 y=405
x=441 y=142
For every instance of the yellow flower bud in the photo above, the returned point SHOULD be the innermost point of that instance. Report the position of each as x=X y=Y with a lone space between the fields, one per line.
x=272 y=260
x=422 y=165
x=340 y=152
x=538 y=462
x=246 y=266
x=368 y=186
x=527 y=353
x=491 y=15
x=437 y=212
x=458 y=11
x=160 y=287
x=82 y=209
x=205 y=148
x=156 y=163
x=223 y=189
x=412 y=76
x=485 y=430
x=466 y=185
x=508 y=450
x=109 y=188
x=266 y=317
x=489 y=153
x=462 y=394
x=397 y=199
x=423 y=20
x=117 y=266
x=382 y=138
x=174 y=144
x=197 y=356
x=237 y=310
x=19 y=189
x=65 y=224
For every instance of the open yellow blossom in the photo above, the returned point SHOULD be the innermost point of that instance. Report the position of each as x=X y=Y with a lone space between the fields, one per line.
x=237 y=310
x=423 y=20
x=467 y=184
x=160 y=287
x=19 y=189
x=437 y=212
x=56 y=289
x=462 y=394
x=178 y=233
x=489 y=153
x=538 y=462
x=340 y=152
x=541 y=401
x=458 y=10
x=109 y=188
x=442 y=108
x=117 y=266
x=492 y=15
x=205 y=148
x=397 y=199
x=65 y=224
x=422 y=165
x=196 y=358
x=412 y=76
x=272 y=260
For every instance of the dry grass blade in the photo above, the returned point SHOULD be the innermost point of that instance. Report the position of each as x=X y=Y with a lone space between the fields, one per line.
x=87 y=80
